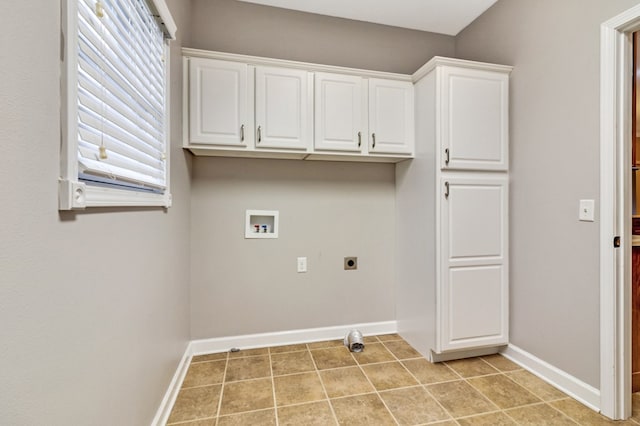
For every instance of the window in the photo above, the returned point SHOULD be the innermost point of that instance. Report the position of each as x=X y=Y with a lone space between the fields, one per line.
x=115 y=103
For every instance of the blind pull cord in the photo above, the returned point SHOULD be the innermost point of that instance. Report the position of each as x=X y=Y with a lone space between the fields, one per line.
x=102 y=150
x=99 y=9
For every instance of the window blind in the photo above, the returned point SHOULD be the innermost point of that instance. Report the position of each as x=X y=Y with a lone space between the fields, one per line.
x=121 y=95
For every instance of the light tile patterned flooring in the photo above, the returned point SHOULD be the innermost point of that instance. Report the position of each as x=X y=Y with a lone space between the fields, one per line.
x=388 y=384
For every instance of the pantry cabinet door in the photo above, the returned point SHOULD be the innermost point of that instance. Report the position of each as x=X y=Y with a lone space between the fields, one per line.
x=474 y=115
x=391 y=124
x=282 y=108
x=340 y=124
x=473 y=288
x=218 y=104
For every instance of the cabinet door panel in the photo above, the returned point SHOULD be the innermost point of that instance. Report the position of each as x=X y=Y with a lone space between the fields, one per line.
x=474 y=119
x=391 y=124
x=218 y=113
x=476 y=298
x=473 y=296
x=282 y=108
x=338 y=112
x=476 y=222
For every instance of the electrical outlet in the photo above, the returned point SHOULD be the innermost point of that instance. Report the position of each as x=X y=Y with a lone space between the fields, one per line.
x=302 y=264
x=587 y=211
x=350 y=263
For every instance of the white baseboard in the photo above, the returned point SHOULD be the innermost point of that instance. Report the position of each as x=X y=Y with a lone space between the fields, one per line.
x=290 y=337
x=162 y=415
x=251 y=341
x=564 y=381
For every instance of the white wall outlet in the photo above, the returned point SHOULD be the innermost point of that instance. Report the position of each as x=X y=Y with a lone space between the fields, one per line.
x=587 y=210
x=302 y=264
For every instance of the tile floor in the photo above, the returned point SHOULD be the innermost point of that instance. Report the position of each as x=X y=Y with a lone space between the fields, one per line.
x=387 y=384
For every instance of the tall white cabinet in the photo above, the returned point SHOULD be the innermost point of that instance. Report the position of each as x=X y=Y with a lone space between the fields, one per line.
x=452 y=212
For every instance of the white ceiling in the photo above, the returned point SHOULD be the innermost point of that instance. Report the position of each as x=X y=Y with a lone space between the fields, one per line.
x=438 y=16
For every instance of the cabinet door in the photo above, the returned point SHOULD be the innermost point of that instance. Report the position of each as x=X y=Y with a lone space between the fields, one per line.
x=474 y=119
x=339 y=121
x=218 y=107
x=282 y=108
x=390 y=116
x=473 y=287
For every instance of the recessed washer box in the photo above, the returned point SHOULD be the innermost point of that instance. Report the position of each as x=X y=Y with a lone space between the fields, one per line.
x=261 y=224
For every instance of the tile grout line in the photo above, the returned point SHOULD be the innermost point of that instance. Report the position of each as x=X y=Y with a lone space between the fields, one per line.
x=224 y=380
x=423 y=385
x=371 y=383
x=474 y=388
x=544 y=403
x=507 y=374
x=183 y=387
x=504 y=373
x=498 y=372
x=523 y=387
x=571 y=418
x=187 y=422
x=481 y=393
x=324 y=388
x=273 y=388
x=471 y=416
x=452 y=369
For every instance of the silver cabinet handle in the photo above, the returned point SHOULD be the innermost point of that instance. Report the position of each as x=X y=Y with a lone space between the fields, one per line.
x=359 y=139
x=242 y=133
x=259 y=134
x=373 y=137
x=446 y=156
x=446 y=190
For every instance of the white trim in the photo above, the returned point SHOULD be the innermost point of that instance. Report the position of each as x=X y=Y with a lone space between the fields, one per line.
x=562 y=380
x=164 y=410
x=165 y=17
x=459 y=63
x=615 y=213
x=290 y=337
x=307 y=66
x=68 y=98
x=97 y=196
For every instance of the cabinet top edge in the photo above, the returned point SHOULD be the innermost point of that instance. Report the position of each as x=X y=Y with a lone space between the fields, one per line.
x=188 y=52
x=437 y=61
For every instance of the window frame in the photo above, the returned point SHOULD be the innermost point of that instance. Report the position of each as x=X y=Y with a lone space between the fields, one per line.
x=74 y=194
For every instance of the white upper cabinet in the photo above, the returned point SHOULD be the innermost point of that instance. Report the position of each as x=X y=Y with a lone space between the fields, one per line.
x=391 y=116
x=474 y=119
x=340 y=123
x=474 y=298
x=283 y=110
x=218 y=102
x=245 y=106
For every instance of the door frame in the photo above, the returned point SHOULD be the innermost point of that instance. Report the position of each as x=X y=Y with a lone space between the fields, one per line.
x=615 y=212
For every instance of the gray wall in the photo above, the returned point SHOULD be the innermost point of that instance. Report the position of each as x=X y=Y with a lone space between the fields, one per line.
x=554 y=47
x=239 y=27
x=328 y=210
x=94 y=307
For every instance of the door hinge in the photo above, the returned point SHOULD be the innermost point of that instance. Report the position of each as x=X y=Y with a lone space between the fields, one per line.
x=616 y=241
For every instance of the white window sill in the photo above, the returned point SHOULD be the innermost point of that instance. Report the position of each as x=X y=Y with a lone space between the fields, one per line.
x=77 y=196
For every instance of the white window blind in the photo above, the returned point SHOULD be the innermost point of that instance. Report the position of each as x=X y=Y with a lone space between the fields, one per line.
x=121 y=95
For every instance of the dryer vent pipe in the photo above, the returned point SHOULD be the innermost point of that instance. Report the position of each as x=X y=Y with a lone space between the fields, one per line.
x=354 y=341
